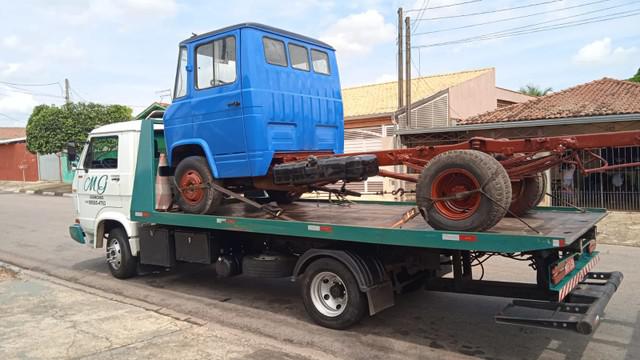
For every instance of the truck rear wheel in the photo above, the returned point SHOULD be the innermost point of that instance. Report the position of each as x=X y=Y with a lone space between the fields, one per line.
x=195 y=195
x=447 y=196
x=527 y=194
x=331 y=295
x=122 y=263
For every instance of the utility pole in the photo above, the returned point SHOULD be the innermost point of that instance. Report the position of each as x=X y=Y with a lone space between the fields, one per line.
x=67 y=100
x=407 y=49
x=400 y=59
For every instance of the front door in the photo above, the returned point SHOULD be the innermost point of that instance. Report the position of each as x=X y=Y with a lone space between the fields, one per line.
x=98 y=179
x=217 y=103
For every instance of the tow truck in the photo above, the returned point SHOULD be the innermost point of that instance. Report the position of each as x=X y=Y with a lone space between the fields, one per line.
x=351 y=257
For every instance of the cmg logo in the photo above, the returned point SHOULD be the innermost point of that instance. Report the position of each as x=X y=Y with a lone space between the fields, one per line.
x=96 y=183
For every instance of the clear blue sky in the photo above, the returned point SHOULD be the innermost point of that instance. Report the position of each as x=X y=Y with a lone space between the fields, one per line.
x=124 y=51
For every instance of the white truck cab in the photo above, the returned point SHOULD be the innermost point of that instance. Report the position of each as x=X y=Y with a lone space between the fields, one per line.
x=103 y=184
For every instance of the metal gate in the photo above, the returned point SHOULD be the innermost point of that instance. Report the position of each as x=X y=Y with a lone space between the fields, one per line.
x=613 y=190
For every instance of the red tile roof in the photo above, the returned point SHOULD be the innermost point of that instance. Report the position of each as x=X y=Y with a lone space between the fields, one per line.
x=12 y=133
x=600 y=97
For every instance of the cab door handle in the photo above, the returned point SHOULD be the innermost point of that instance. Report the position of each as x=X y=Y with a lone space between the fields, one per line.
x=233 y=104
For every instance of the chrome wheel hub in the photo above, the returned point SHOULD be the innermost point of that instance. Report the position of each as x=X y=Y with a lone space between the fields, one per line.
x=329 y=294
x=114 y=254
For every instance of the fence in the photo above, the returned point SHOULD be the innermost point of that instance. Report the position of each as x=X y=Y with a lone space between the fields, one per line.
x=613 y=190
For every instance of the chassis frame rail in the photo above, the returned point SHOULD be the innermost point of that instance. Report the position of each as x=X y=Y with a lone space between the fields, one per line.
x=581 y=310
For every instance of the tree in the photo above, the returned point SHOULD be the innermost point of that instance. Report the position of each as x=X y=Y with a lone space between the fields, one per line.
x=636 y=77
x=534 y=90
x=51 y=127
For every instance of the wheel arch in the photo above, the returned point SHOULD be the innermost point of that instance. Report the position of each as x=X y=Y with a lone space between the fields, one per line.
x=110 y=220
x=190 y=147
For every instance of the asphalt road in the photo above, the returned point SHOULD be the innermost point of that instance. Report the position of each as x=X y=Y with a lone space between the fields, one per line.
x=33 y=234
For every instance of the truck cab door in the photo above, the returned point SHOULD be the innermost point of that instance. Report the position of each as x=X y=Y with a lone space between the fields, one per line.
x=216 y=105
x=98 y=180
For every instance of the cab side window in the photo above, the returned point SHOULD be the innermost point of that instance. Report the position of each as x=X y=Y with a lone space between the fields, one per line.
x=102 y=153
x=274 y=51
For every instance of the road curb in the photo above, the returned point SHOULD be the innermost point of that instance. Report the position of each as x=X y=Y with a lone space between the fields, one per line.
x=41 y=192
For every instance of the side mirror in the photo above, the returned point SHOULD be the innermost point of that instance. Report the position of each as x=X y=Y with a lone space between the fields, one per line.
x=71 y=151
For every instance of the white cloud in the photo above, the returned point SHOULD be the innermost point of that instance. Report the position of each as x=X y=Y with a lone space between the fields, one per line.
x=603 y=52
x=10 y=68
x=10 y=41
x=358 y=34
x=120 y=11
x=16 y=102
x=67 y=49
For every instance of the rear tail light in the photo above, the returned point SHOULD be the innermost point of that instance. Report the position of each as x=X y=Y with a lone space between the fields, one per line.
x=562 y=269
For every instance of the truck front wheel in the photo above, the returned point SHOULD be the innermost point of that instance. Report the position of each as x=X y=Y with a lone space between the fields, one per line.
x=122 y=263
x=331 y=295
x=193 y=177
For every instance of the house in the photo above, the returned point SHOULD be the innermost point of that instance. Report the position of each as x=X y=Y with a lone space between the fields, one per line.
x=16 y=162
x=156 y=106
x=438 y=102
x=603 y=105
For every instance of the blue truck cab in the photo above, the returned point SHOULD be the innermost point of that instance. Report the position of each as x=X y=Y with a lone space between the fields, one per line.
x=246 y=92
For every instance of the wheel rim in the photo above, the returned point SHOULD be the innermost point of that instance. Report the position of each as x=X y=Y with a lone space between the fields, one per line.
x=114 y=254
x=452 y=182
x=329 y=294
x=190 y=186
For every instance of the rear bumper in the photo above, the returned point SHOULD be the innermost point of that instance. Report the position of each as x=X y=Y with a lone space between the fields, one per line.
x=580 y=310
x=76 y=233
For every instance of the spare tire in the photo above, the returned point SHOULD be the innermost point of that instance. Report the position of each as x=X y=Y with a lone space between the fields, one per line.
x=268 y=265
x=527 y=194
x=445 y=191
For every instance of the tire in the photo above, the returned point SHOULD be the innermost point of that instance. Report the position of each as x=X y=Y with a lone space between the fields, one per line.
x=527 y=194
x=121 y=262
x=339 y=306
x=283 y=197
x=194 y=171
x=458 y=171
x=268 y=265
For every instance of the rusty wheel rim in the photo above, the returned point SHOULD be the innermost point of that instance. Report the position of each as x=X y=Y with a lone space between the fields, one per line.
x=191 y=187
x=451 y=182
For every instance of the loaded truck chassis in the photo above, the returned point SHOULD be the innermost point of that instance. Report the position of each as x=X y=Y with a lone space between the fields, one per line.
x=352 y=258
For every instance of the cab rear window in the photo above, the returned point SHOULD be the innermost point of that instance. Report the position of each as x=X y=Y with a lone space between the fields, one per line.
x=274 y=51
x=299 y=57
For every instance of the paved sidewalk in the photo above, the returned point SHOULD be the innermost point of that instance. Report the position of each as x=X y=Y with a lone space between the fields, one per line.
x=36 y=187
x=48 y=318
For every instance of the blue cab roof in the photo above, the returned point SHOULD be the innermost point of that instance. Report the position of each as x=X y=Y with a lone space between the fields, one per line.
x=261 y=27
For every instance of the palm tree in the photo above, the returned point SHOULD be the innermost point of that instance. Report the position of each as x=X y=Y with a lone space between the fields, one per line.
x=534 y=90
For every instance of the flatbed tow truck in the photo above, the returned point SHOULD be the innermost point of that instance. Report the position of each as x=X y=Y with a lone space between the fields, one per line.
x=351 y=258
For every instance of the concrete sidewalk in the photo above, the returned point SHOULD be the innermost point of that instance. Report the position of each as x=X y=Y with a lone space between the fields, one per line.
x=36 y=187
x=45 y=318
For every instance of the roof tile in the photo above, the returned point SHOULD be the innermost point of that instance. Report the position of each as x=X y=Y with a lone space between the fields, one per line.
x=600 y=97
x=12 y=133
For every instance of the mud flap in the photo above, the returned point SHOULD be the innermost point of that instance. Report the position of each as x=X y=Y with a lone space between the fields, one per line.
x=580 y=311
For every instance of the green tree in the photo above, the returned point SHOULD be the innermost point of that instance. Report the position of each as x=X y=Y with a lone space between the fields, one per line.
x=534 y=90
x=51 y=127
x=636 y=77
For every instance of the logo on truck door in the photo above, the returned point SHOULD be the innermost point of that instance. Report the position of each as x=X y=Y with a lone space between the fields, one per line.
x=96 y=183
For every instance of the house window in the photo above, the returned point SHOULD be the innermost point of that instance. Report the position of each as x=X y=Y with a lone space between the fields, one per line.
x=102 y=153
x=216 y=63
x=320 y=61
x=180 y=89
x=274 y=51
x=299 y=57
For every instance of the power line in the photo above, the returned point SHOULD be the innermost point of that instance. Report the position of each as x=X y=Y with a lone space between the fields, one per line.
x=9 y=117
x=441 y=6
x=505 y=33
x=491 y=11
x=425 y=5
x=517 y=17
x=25 y=84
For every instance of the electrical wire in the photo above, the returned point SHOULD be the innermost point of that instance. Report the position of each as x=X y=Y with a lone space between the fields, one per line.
x=441 y=6
x=25 y=84
x=521 y=17
x=491 y=11
x=505 y=33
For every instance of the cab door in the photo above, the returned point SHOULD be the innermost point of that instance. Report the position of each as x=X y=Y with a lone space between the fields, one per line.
x=98 y=179
x=217 y=102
